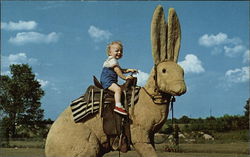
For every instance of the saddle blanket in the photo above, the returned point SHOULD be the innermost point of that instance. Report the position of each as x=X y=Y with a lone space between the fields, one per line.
x=89 y=103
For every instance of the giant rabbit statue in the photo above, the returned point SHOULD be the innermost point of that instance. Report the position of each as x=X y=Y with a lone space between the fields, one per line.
x=85 y=139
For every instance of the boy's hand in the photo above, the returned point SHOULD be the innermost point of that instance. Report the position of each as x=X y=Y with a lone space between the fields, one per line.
x=128 y=77
x=132 y=70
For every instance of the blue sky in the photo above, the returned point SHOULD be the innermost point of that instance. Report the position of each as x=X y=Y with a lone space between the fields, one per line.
x=65 y=43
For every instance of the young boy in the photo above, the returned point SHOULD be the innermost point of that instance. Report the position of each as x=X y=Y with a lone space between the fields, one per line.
x=110 y=72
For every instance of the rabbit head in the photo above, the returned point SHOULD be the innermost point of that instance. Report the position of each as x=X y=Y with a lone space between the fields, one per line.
x=165 y=38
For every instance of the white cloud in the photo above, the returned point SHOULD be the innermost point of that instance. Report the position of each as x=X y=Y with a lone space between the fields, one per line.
x=220 y=38
x=19 y=58
x=246 y=56
x=99 y=35
x=211 y=40
x=142 y=78
x=43 y=83
x=238 y=75
x=34 y=37
x=234 y=51
x=192 y=64
x=20 y=25
x=221 y=43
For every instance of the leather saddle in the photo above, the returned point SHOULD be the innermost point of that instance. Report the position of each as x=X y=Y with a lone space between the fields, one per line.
x=116 y=126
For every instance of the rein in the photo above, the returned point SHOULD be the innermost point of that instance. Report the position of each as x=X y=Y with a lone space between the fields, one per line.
x=172 y=109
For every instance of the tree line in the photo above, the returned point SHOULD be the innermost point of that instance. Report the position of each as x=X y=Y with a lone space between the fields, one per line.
x=210 y=124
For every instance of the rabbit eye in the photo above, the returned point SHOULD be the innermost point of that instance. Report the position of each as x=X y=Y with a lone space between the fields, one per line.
x=164 y=70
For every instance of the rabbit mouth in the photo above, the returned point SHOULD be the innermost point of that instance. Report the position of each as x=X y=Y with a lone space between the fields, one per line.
x=177 y=89
x=176 y=93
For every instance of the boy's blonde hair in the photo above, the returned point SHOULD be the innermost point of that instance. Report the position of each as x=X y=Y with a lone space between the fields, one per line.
x=113 y=42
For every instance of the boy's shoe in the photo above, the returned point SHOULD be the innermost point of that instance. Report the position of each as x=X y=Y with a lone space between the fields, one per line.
x=120 y=110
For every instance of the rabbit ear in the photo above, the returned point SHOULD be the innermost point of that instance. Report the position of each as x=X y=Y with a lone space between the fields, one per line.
x=158 y=35
x=174 y=36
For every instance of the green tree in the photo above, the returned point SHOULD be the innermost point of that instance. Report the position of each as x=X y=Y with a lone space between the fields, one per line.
x=246 y=114
x=20 y=99
x=246 y=107
x=184 y=120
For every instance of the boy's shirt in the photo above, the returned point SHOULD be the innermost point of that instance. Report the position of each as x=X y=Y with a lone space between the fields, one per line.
x=110 y=62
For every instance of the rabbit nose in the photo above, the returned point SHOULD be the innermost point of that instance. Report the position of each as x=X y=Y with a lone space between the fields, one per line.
x=181 y=89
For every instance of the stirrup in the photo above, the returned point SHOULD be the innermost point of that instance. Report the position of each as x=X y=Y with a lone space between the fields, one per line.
x=116 y=143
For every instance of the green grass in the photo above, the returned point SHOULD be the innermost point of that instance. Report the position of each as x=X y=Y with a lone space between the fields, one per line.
x=161 y=154
x=232 y=136
x=233 y=148
x=24 y=143
x=229 y=148
x=21 y=152
x=229 y=144
x=200 y=152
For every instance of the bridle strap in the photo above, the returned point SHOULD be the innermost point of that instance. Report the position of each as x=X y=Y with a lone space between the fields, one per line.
x=155 y=78
x=154 y=98
x=160 y=94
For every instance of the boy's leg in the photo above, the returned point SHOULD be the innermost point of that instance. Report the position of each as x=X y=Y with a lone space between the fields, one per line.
x=117 y=89
x=118 y=106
